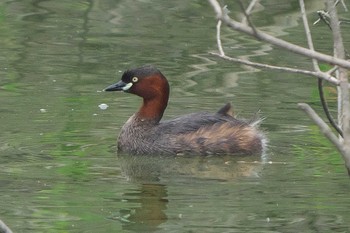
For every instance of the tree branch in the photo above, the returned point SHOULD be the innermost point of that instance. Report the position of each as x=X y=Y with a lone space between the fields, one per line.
x=322 y=75
x=249 y=10
x=247 y=18
x=327 y=132
x=217 y=8
x=218 y=38
x=339 y=51
x=326 y=110
x=273 y=40
x=4 y=228
x=308 y=33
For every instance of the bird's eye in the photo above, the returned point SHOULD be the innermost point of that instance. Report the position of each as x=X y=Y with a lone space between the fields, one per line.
x=135 y=79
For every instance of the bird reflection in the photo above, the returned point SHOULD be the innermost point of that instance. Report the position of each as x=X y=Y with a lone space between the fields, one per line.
x=152 y=202
x=155 y=168
x=151 y=173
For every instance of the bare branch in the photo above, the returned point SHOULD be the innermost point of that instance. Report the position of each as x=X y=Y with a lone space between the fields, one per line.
x=218 y=38
x=322 y=126
x=324 y=17
x=331 y=71
x=275 y=41
x=308 y=33
x=344 y=5
x=318 y=73
x=216 y=7
x=249 y=10
x=247 y=18
x=326 y=76
x=321 y=75
x=327 y=132
x=251 y=6
x=326 y=110
x=4 y=228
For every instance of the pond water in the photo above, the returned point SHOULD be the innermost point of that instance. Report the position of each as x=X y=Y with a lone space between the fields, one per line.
x=59 y=170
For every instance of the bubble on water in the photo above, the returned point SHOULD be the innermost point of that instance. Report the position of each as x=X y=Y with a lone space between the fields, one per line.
x=43 y=110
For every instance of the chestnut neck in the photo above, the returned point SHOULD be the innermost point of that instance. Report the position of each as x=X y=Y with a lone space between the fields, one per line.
x=153 y=108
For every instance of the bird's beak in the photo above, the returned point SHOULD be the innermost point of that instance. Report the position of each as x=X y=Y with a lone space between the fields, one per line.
x=119 y=86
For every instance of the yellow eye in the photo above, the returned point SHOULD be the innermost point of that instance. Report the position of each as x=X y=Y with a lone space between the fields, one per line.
x=135 y=79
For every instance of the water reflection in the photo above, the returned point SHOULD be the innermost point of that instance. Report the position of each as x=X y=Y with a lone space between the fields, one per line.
x=151 y=173
x=152 y=202
x=158 y=168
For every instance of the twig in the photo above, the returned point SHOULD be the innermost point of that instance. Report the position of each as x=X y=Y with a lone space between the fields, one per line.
x=327 y=132
x=308 y=33
x=249 y=10
x=321 y=75
x=247 y=18
x=275 y=41
x=217 y=8
x=323 y=16
x=326 y=110
x=331 y=71
x=251 y=6
x=344 y=5
x=218 y=38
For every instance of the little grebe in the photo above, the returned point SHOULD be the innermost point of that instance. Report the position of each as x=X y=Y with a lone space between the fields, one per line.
x=197 y=133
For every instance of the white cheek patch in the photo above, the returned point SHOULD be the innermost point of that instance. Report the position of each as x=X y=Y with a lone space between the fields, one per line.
x=127 y=87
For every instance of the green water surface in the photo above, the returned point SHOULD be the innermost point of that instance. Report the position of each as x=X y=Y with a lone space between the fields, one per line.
x=59 y=170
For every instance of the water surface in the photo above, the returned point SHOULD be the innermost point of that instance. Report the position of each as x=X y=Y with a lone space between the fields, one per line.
x=59 y=171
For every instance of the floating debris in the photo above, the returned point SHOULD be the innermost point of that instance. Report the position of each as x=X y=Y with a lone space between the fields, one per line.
x=103 y=106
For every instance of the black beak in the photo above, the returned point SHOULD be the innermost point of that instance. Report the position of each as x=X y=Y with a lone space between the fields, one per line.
x=116 y=87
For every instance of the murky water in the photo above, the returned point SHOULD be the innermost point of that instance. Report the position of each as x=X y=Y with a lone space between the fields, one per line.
x=59 y=171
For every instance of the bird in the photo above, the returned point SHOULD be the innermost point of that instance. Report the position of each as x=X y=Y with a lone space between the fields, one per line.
x=199 y=133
